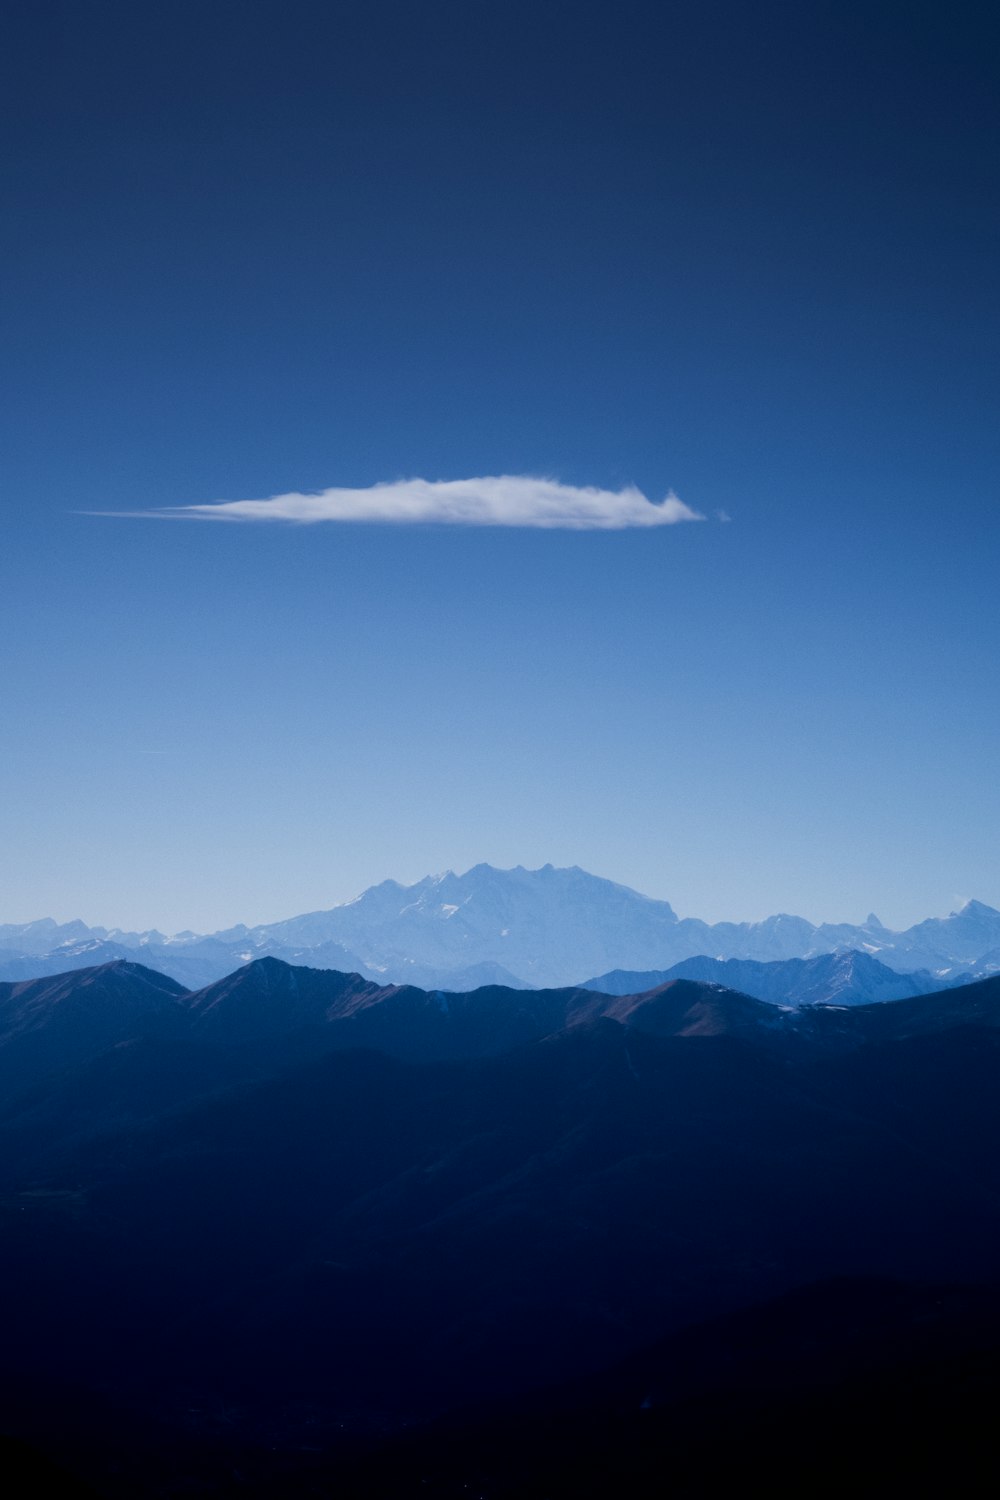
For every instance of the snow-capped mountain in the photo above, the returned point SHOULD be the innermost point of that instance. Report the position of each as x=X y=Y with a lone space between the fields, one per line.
x=535 y=924
x=516 y=927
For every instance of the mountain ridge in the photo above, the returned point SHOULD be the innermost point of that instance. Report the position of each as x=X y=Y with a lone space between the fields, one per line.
x=307 y=1204
x=848 y=977
x=533 y=928
x=273 y=1013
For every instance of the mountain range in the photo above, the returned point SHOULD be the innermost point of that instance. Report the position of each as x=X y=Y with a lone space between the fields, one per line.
x=843 y=978
x=520 y=928
x=296 y=1211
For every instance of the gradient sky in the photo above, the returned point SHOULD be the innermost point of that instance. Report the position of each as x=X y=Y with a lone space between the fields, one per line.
x=747 y=253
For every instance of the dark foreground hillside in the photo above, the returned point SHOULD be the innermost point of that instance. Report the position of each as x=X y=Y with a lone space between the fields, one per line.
x=852 y=1386
x=243 y=1253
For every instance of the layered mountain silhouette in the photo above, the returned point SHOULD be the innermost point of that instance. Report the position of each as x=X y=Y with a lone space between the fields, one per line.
x=527 y=928
x=276 y=1012
x=271 y=1012
x=295 y=1208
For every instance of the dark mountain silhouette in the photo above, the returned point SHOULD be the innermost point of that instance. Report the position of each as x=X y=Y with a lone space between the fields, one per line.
x=269 y=1013
x=968 y=1005
x=304 y=1011
x=321 y=1206
x=681 y=1007
x=47 y=1024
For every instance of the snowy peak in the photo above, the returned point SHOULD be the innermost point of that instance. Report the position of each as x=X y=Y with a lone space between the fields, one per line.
x=44 y=934
x=963 y=937
x=529 y=927
x=979 y=910
x=537 y=925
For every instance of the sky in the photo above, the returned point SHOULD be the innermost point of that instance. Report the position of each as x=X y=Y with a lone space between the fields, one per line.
x=474 y=288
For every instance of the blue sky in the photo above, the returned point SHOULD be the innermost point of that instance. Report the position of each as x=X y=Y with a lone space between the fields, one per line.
x=745 y=254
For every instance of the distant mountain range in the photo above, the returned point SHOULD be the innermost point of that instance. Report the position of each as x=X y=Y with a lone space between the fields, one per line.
x=847 y=978
x=521 y=928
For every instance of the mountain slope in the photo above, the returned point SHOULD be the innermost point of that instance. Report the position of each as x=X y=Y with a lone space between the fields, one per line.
x=49 y=1024
x=905 y=1375
x=364 y=1230
x=271 y=1014
x=255 y=1209
x=849 y=978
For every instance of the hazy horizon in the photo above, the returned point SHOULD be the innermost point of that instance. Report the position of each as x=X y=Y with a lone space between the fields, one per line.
x=208 y=927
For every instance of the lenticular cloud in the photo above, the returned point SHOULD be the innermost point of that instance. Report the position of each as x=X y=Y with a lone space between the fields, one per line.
x=500 y=500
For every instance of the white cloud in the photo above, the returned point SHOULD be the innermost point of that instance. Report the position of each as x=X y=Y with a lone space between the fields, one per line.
x=500 y=500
